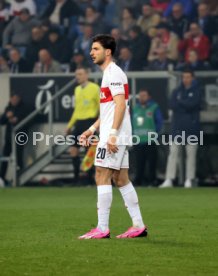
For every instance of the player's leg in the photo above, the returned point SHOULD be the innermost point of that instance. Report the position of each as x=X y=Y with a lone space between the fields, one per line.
x=128 y=192
x=104 y=190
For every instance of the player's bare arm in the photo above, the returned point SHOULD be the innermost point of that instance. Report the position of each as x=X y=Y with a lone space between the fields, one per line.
x=83 y=140
x=120 y=108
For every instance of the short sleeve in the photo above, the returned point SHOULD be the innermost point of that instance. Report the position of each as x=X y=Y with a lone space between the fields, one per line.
x=116 y=84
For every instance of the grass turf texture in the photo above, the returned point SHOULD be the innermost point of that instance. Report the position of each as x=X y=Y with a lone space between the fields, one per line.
x=39 y=230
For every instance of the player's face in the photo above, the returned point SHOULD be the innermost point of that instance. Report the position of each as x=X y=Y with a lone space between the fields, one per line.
x=98 y=53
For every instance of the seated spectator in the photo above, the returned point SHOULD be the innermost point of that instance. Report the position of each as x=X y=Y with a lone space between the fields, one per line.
x=127 y=22
x=164 y=39
x=177 y=21
x=18 y=31
x=195 y=39
x=4 y=16
x=159 y=5
x=193 y=63
x=148 y=19
x=127 y=62
x=17 y=63
x=4 y=65
x=59 y=46
x=78 y=60
x=187 y=4
x=39 y=41
x=139 y=44
x=93 y=18
x=18 y=5
x=206 y=21
x=162 y=62
x=60 y=11
x=46 y=63
x=120 y=43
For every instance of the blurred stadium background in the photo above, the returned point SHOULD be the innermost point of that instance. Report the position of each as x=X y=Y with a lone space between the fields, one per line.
x=156 y=40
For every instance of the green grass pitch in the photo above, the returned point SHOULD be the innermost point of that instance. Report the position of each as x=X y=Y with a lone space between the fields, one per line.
x=39 y=230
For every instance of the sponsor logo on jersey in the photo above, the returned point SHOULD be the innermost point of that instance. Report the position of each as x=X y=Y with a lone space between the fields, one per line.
x=116 y=83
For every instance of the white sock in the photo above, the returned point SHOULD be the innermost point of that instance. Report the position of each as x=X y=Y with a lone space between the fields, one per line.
x=104 y=205
x=130 y=198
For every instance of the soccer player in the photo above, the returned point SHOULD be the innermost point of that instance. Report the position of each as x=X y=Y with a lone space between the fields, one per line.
x=111 y=158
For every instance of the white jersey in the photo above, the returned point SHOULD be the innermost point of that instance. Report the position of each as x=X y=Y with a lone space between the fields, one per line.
x=114 y=82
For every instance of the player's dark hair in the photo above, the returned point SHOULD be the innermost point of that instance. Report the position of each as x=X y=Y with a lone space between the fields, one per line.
x=106 y=41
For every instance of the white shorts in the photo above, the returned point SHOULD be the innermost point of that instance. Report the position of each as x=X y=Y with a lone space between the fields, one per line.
x=116 y=161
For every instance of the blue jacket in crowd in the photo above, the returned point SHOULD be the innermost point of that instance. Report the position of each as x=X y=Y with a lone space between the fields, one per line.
x=186 y=105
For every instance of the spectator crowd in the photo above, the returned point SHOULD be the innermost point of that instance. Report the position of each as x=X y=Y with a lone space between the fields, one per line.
x=54 y=35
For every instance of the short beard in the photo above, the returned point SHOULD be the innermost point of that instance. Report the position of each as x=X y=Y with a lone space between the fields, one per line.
x=100 y=62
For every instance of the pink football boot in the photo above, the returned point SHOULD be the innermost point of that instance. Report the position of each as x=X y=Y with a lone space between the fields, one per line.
x=95 y=234
x=134 y=232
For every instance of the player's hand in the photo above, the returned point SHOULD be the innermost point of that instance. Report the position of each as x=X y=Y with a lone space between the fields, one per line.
x=112 y=144
x=83 y=139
